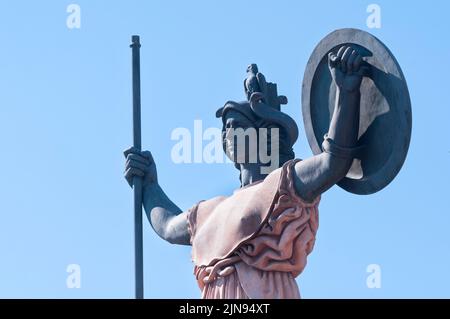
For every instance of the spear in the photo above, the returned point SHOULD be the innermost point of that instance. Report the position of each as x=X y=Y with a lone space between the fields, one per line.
x=137 y=181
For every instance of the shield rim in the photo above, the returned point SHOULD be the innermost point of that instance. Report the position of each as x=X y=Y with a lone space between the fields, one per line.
x=372 y=183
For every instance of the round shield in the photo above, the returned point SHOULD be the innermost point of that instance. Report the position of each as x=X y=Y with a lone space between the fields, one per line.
x=385 y=110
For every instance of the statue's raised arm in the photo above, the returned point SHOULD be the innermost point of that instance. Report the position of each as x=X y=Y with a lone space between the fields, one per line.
x=318 y=173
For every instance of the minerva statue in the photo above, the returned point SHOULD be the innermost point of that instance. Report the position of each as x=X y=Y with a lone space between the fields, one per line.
x=255 y=242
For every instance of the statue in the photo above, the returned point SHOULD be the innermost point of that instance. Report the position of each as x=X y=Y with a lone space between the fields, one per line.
x=255 y=242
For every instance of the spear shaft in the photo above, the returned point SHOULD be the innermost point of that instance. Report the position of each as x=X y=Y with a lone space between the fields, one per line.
x=137 y=181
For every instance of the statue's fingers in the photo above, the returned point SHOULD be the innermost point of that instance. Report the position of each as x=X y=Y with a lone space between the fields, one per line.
x=357 y=63
x=350 y=60
x=130 y=150
x=332 y=59
x=341 y=51
x=344 y=58
x=346 y=54
x=136 y=164
x=138 y=158
x=339 y=55
x=148 y=155
x=131 y=172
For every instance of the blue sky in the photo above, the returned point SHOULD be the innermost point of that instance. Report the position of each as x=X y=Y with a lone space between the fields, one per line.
x=65 y=118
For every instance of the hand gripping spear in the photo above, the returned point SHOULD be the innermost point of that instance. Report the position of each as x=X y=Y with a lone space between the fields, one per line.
x=137 y=181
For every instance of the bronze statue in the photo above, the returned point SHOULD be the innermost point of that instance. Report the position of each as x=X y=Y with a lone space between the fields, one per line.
x=255 y=242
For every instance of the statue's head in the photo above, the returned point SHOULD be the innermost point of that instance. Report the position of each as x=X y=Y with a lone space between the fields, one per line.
x=252 y=68
x=253 y=133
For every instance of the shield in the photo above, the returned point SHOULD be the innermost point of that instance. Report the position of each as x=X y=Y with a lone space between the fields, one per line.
x=385 y=110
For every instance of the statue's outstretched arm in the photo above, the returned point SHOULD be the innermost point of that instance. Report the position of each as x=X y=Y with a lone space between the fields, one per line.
x=168 y=221
x=318 y=173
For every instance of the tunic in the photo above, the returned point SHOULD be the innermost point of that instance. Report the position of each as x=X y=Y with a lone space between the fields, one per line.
x=254 y=243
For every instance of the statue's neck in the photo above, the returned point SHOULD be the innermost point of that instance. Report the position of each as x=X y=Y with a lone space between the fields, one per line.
x=251 y=173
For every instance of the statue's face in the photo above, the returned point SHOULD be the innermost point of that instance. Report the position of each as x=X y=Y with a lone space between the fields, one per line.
x=239 y=136
x=254 y=142
x=246 y=141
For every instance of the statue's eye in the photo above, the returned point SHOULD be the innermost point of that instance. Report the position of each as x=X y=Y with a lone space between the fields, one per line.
x=233 y=124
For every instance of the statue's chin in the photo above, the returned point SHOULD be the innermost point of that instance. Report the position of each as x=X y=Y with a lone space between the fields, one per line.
x=241 y=159
x=232 y=158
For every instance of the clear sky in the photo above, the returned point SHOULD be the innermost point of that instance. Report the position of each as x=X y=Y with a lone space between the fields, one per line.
x=65 y=118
